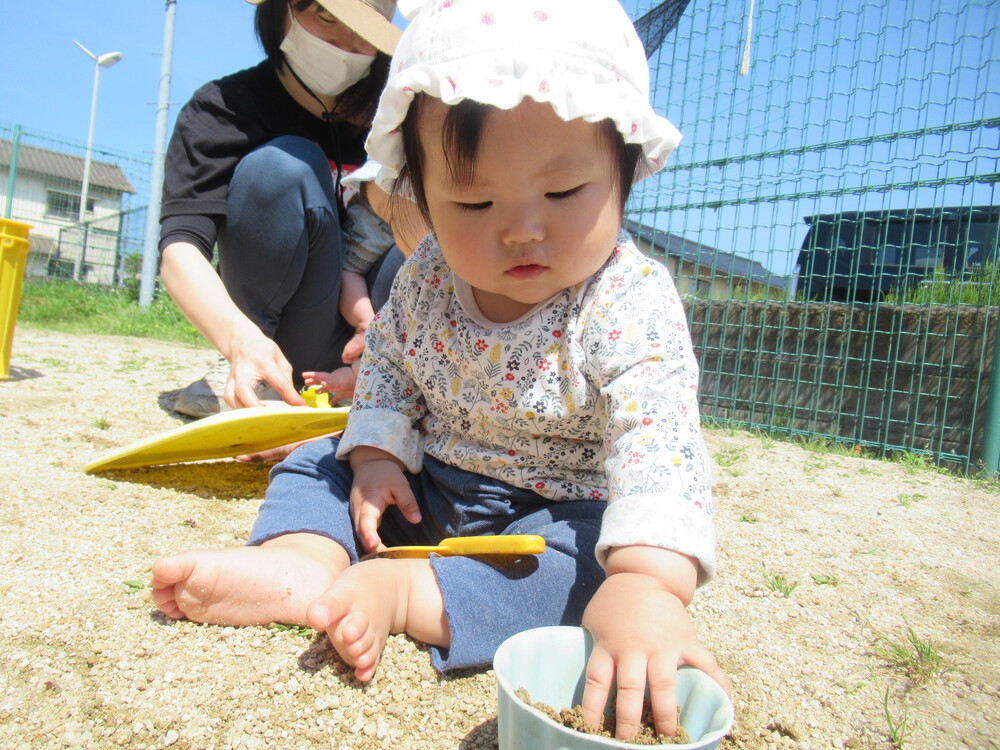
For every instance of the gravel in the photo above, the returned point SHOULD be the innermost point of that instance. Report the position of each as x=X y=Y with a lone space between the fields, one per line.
x=875 y=550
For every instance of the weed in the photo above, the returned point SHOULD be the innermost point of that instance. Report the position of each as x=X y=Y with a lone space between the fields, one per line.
x=822 y=579
x=300 y=630
x=53 y=362
x=970 y=588
x=914 y=463
x=918 y=658
x=820 y=444
x=747 y=519
x=767 y=440
x=907 y=500
x=134 y=586
x=778 y=582
x=815 y=463
x=132 y=365
x=850 y=688
x=877 y=551
x=101 y=423
x=898 y=724
x=730 y=457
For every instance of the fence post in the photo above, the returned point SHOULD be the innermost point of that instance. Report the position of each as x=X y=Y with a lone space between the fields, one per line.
x=991 y=430
x=15 y=147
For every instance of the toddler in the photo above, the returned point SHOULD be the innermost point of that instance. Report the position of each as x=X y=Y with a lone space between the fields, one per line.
x=531 y=373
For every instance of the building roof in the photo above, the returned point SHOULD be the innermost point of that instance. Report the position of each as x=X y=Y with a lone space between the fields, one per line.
x=698 y=254
x=65 y=166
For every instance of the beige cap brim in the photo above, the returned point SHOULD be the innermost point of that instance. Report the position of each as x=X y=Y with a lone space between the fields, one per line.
x=363 y=20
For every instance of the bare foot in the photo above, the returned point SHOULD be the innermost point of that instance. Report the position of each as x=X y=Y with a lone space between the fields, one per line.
x=240 y=585
x=374 y=599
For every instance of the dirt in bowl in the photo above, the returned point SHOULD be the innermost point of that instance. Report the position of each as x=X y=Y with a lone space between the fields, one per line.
x=572 y=718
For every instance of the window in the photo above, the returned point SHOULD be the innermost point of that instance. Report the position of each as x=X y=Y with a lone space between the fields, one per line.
x=65 y=205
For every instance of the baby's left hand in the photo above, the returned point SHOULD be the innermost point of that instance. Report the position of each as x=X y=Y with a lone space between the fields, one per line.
x=354 y=348
x=642 y=632
x=339 y=383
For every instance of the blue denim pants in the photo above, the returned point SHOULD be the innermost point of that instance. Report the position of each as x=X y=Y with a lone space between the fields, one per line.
x=281 y=251
x=486 y=599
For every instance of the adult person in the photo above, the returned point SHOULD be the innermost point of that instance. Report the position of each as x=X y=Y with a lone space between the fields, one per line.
x=254 y=168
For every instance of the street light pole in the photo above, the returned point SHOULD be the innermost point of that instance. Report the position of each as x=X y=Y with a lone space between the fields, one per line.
x=102 y=61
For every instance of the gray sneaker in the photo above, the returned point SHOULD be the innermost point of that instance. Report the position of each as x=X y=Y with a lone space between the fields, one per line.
x=204 y=397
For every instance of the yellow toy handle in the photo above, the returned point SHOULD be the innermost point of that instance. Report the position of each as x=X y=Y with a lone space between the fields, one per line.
x=502 y=544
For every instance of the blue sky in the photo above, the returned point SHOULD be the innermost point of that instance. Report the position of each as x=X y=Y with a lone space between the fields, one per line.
x=47 y=82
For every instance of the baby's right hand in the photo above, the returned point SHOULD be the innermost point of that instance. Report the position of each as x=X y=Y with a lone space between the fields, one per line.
x=379 y=482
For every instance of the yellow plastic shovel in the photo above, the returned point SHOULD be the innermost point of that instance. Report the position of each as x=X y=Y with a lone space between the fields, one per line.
x=504 y=544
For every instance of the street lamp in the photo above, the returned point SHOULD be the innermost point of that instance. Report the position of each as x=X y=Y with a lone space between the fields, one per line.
x=102 y=61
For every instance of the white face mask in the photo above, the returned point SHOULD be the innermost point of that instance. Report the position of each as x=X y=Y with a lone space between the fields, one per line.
x=325 y=68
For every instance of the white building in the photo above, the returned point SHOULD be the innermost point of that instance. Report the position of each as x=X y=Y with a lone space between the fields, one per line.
x=45 y=193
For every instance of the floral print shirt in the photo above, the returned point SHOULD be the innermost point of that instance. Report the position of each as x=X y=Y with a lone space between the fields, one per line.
x=591 y=395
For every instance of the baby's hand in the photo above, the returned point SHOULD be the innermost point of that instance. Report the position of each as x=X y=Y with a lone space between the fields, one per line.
x=379 y=482
x=339 y=383
x=354 y=348
x=641 y=631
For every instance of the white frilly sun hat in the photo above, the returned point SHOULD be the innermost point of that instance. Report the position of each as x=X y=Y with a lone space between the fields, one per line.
x=581 y=56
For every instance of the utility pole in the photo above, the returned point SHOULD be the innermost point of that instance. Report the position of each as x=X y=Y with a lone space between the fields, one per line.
x=150 y=250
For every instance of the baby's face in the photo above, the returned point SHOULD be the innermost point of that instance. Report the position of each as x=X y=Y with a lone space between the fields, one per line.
x=540 y=215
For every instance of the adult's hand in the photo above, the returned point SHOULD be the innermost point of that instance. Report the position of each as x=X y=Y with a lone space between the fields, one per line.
x=255 y=360
x=202 y=297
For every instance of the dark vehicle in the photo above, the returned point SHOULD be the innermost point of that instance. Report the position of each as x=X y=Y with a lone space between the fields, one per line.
x=861 y=255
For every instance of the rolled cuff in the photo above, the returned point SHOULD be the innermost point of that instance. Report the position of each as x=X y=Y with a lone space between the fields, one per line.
x=387 y=430
x=654 y=520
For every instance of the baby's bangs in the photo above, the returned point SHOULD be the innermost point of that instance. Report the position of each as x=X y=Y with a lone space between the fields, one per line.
x=460 y=139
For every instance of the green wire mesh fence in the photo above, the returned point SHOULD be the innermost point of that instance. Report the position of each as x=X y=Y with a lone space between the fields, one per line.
x=830 y=215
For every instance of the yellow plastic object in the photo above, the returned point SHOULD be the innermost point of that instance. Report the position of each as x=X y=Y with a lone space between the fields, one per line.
x=225 y=435
x=316 y=398
x=504 y=544
x=14 y=246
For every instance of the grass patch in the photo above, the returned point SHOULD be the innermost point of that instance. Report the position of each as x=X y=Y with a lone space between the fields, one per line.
x=909 y=499
x=896 y=721
x=300 y=630
x=778 y=582
x=70 y=307
x=918 y=658
x=822 y=579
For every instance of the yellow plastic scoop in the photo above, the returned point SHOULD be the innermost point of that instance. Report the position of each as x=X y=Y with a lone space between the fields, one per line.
x=505 y=544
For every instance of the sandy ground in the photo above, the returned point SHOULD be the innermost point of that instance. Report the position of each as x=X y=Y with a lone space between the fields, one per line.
x=884 y=557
